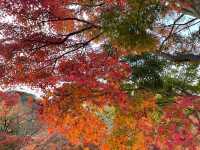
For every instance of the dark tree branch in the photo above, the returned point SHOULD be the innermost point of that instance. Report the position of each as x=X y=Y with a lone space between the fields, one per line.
x=181 y=24
x=180 y=57
x=58 y=41
x=55 y=59
x=82 y=45
x=66 y=19
x=188 y=26
x=170 y=33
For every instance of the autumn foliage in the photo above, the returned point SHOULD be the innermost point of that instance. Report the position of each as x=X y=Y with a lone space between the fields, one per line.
x=74 y=52
x=9 y=123
x=179 y=125
x=93 y=83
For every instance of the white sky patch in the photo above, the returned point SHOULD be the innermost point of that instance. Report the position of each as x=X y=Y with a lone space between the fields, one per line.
x=5 y=18
x=192 y=27
x=85 y=16
x=37 y=92
x=96 y=46
x=73 y=6
x=101 y=80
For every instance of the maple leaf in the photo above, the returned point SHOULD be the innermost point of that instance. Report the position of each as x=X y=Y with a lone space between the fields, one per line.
x=176 y=127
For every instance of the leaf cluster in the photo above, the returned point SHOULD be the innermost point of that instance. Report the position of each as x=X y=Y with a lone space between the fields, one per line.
x=152 y=72
x=128 y=28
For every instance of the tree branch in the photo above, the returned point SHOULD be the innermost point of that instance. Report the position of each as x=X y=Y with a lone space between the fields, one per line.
x=171 y=32
x=180 y=57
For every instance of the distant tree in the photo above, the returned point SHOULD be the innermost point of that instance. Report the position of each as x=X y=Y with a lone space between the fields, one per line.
x=17 y=120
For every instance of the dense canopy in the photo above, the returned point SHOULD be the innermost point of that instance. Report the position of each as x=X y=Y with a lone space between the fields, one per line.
x=115 y=74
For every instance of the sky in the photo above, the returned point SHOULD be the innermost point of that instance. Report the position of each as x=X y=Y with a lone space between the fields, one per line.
x=169 y=19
